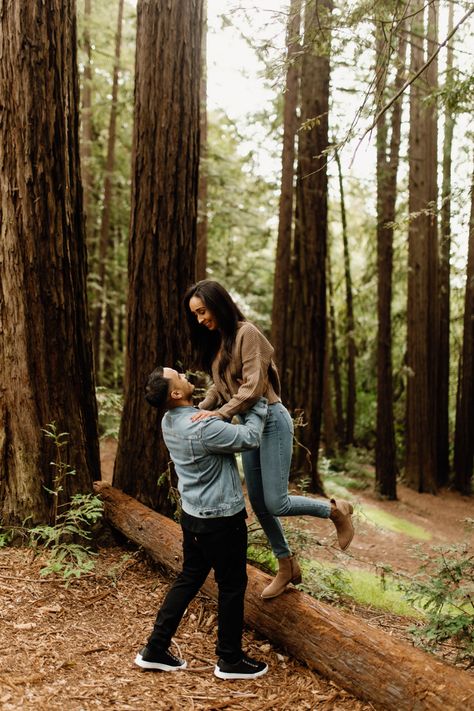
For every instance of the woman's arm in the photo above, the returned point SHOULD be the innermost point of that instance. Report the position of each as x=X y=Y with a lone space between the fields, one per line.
x=211 y=399
x=256 y=354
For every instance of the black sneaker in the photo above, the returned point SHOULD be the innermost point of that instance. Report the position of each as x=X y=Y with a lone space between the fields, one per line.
x=245 y=668
x=163 y=661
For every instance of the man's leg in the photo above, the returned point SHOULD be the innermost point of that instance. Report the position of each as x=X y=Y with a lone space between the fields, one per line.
x=194 y=572
x=229 y=560
x=230 y=570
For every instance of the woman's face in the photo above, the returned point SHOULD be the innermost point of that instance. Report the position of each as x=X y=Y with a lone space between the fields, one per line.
x=202 y=313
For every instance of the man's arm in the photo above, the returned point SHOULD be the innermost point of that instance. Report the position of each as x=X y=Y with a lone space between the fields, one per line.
x=222 y=437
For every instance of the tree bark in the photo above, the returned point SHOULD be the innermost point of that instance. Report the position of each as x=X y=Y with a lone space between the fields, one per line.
x=86 y=113
x=334 y=359
x=202 y=223
x=281 y=283
x=162 y=248
x=45 y=349
x=387 y=169
x=350 y=323
x=308 y=285
x=361 y=659
x=329 y=422
x=444 y=277
x=105 y=239
x=422 y=306
x=464 y=433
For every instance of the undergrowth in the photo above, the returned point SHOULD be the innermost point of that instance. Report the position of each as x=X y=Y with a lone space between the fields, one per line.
x=65 y=539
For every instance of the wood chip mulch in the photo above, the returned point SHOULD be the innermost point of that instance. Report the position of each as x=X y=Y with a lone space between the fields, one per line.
x=73 y=648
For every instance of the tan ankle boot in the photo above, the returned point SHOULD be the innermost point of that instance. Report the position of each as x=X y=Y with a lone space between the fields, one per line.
x=340 y=515
x=288 y=572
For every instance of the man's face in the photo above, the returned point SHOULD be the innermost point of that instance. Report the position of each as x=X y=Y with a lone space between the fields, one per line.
x=178 y=383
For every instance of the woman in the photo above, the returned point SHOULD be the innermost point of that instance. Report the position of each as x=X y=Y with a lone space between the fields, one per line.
x=239 y=359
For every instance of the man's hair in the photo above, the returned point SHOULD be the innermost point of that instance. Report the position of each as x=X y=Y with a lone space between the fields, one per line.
x=157 y=388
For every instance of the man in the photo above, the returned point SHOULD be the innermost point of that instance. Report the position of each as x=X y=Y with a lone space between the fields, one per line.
x=212 y=521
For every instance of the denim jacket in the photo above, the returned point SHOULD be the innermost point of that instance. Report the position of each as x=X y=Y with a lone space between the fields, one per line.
x=203 y=455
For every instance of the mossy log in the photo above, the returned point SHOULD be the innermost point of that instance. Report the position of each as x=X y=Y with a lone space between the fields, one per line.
x=359 y=658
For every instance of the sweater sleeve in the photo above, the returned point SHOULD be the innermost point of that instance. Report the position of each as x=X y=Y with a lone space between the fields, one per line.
x=256 y=354
x=211 y=399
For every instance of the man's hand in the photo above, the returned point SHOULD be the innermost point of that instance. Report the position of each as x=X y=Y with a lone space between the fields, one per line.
x=204 y=414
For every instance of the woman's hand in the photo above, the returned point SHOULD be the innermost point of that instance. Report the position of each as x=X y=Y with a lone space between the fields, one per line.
x=204 y=414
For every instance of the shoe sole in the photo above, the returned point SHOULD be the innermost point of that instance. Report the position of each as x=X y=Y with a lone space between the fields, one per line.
x=156 y=666
x=233 y=675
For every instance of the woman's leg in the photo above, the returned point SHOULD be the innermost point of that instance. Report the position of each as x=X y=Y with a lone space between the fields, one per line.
x=275 y=460
x=270 y=524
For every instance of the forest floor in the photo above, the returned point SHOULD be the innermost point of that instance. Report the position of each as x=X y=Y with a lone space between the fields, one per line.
x=73 y=648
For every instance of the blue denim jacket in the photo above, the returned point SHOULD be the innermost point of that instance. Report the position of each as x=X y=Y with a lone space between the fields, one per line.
x=203 y=455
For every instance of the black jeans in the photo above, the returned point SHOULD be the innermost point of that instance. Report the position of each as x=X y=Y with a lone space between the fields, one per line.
x=225 y=551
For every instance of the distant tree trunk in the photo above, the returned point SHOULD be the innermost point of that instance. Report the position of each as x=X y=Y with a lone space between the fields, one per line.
x=334 y=359
x=464 y=434
x=281 y=283
x=86 y=113
x=387 y=169
x=329 y=422
x=105 y=237
x=45 y=350
x=444 y=280
x=163 y=228
x=308 y=288
x=422 y=307
x=350 y=323
x=201 y=247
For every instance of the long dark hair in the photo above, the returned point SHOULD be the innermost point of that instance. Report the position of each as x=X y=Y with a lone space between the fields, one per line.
x=226 y=314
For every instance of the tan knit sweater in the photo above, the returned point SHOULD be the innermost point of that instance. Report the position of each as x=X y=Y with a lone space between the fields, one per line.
x=250 y=374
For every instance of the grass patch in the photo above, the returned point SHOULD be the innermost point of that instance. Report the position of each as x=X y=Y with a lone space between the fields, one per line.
x=362 y=586
x=395 y=523
x=336 y=490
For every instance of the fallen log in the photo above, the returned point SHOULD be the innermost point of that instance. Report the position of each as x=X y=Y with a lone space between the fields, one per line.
x=361 y=659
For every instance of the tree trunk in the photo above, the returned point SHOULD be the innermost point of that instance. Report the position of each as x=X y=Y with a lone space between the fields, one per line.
x=444 y=279
x=329 y=422
x=163 y=228
x=105 y=236
x=308 y=287
x=202 y=223
x=360 y=658
x=86 y=113
x=45 y=350
x=422 y=309
x=464 y=434
x=281 y=283
x=387 y=169
x=334 y=359
x=350 y=323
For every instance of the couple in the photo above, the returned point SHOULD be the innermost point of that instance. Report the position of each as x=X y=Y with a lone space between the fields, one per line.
x=201 y=443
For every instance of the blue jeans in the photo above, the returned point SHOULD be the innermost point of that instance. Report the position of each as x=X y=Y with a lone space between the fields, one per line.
x=267 y=471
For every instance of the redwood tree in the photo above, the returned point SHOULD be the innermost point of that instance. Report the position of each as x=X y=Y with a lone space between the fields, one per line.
x=388 y=152
x=444 y=289
x=281 y=283
x=422 y=306
x=464 y=434
x=304 y=372
x=45 y=350
x=163 y=227
x=201 y=246
x=350 y=321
